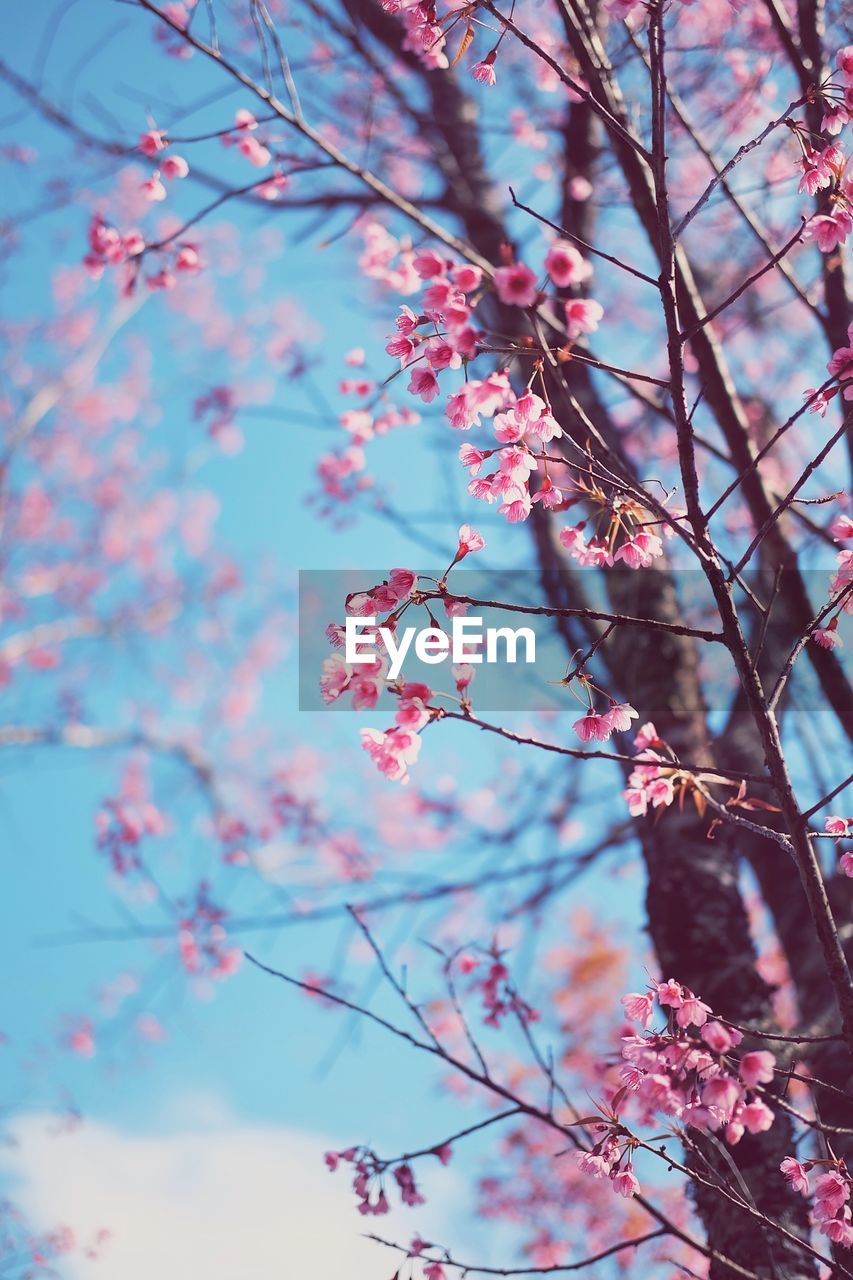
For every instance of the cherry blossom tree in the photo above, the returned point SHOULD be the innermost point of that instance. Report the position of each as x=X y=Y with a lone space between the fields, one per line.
x=607 y=245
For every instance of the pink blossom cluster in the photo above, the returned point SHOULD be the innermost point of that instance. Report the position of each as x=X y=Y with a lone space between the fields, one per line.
x=693 y=1078
x=217 y=408
x=185 y=255
x=595 y=727
x=441 y=335
x=528 y=422
x=838 y=96
x=110 y=248
x=638 y=548
x=500 y=997
x=179 y=13
x=392 y=750
x=120 y=829
x=432 y=1270
x=242 y=137
x=611 y=1158
x=825 y=168
x=366 y=681
x=369 y=1177
x=424 y=36
x=202 y=940
x=829 y=637
x=514 y=471
x=832 y=1214
x=652 y=782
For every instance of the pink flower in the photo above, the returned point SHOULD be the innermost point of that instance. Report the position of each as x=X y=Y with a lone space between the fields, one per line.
x=838 y=1230
x=187 y=259
x=548 y=494
x=835 y=118
x=594 y=1163
x=254 y=151
x=827 y=637
x=620 y=716
x=832 y=1192
x=842 y=528
x=582 y=316
x=637 y=801
x=718 y=1037
x=835 y=826
x=661 y=792
x=639 y=552
x=693 y=1012
x=402 y=582
x=795 y=1174
x=153 y=187
x=516 y=285
x=334 y=678
x=428 y=264
x=365 y=694
x=162 y=279
x=572 y=537
x=624 y=1182
x=670 y=994
x=756 y=1116
x=845 y=862
x=830 y=230
x=565 y=265
x=639 y=1007
x=424 y=383
x=647 y=736
x=484 y=72
x=174 y=167
x=469 y=540
x=757 y=1068
x=722 y=1093
x=593 y=727
x=516 y=510
x=152 y=142
x=411 y=714
x=467 y=278
x=392 y=751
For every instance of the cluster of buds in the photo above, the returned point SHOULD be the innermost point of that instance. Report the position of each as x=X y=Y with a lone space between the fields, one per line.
x=500 y=997
x=110 y=248
x=369 y=1173
x=203 y=941
x=120 y=829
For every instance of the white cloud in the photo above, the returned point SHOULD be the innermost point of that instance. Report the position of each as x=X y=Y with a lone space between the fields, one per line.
x=224 y=1202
